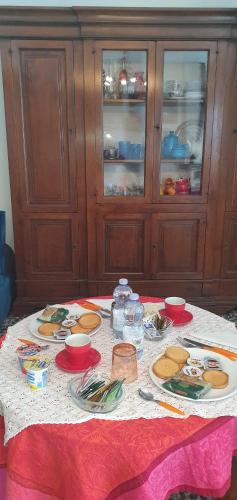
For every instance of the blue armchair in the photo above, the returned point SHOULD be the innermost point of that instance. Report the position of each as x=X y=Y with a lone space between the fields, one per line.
x=7 y=272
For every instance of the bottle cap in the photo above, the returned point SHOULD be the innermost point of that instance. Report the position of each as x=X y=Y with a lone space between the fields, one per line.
x=123 y=281
x=133 y=296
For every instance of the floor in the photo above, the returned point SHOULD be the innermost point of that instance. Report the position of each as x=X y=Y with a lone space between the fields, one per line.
x=230 y=315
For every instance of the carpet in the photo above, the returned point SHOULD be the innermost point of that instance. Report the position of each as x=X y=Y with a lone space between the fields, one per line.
x=230 y=315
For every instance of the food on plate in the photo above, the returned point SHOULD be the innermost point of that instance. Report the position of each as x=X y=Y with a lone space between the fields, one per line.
x=89 y=320
x=212 y=364
x=48 y=329
x=177 y=354
x=165 y=368
x=186 y=386
x=192 y=371
x=195 y=362
x=52 y=314
x=217 y=378
x=79 y=329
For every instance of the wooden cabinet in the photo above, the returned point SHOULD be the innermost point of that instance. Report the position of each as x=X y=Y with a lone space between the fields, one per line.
x=178 y=245
x=122 y=147
x=44 y=106
x=123 y=246
x=48 y=176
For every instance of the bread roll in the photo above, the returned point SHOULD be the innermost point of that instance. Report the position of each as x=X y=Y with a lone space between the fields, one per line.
x=217 y=378
x=47 y=329
x=165 y=368
x=177 y=354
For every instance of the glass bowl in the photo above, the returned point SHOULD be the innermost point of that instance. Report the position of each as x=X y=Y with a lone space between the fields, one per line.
x=153 y=333
x=74 y=386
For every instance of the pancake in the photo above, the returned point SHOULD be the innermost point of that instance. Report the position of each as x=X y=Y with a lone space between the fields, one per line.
x=165 y=368
x=217 y=378
x=89 y=320
x=79 y=329
x=47 y=329
x=177 y=354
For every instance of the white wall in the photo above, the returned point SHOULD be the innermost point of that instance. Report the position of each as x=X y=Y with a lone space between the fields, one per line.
x=5 y=196
x=5 y=200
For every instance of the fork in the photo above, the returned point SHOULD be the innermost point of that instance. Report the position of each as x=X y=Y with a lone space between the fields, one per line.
x=227 y=354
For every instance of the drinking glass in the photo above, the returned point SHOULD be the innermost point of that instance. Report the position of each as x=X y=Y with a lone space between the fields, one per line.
x=124 y=362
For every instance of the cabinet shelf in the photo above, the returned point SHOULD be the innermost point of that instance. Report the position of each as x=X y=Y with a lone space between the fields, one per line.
x=183 y=161
x=123 y=161
x=182 y=100
x=124 y=101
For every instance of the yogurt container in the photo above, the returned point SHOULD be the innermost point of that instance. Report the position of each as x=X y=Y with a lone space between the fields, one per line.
x=27 y=353
x=37 y=374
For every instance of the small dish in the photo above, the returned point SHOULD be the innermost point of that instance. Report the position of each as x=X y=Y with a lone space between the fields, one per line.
x=179 y=319
x=81 y=364
x=92 y=406
x=153 y=333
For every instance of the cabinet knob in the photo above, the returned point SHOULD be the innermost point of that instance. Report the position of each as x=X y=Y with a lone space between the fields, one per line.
x=157 y=126
x=235 y=131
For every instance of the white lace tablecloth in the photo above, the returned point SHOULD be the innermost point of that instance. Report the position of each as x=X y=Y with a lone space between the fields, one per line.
x=22 y=407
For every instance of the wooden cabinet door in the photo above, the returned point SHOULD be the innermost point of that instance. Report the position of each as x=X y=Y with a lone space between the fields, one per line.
x=178 y=245
x=51 y=246
x=44 y=120
x=230 y=137
x=229 y=266
x=123 y=120
x=185 y=91
x=123 y=245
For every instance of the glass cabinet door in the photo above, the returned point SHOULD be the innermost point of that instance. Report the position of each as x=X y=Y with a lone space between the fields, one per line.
x=183 y=122
x=124 y=122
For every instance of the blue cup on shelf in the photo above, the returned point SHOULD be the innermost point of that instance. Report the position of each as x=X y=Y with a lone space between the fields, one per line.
x=124 y=149
x=2 y=227
x=132 y=152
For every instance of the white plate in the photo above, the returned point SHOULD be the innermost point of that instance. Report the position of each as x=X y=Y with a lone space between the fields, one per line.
x=228 y=366
x=34 y=325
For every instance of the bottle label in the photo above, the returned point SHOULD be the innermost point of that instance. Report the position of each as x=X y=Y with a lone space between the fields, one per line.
x=118 y=319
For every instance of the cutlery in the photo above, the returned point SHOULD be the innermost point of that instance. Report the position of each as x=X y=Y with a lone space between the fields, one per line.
x=33 y=344
x=94 y=307
x=148 y=396
x=193 y=343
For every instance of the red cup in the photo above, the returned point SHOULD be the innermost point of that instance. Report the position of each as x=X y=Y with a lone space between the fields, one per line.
x=174 y=305
x=77 y=345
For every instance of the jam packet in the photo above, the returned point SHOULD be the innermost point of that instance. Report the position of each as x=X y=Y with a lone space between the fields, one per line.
x=53 y=314
x=212 y=363
x=187 y=386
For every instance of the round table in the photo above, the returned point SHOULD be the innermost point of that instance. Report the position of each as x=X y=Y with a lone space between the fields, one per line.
x=130 y=460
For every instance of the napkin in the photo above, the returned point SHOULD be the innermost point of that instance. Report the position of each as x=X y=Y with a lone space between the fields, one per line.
x=223 y=337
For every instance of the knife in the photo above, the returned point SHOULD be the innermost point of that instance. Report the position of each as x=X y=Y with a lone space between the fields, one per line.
x=228 y=354
x=93 y=307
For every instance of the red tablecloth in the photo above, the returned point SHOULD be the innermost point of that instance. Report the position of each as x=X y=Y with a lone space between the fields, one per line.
x=130 y=460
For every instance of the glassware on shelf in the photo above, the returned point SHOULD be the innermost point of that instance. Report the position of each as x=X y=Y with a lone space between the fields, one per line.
x=124 y=122
x=185 y=75
x=139 y=85
x=123 y=81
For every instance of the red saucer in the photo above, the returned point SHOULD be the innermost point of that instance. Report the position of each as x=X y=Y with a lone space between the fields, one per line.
x=179 y=319
x=64 y=362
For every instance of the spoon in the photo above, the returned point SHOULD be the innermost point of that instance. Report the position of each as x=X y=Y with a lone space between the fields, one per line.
x=148 y=396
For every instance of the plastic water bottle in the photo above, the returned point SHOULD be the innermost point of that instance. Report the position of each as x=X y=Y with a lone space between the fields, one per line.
x=121 y=293
x=133 y=329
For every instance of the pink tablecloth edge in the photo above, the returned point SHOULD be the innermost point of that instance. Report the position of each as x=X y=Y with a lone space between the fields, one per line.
x=143 y=477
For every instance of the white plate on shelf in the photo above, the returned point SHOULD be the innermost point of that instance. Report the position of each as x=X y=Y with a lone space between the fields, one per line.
x=228 y=366
x=35 y=323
